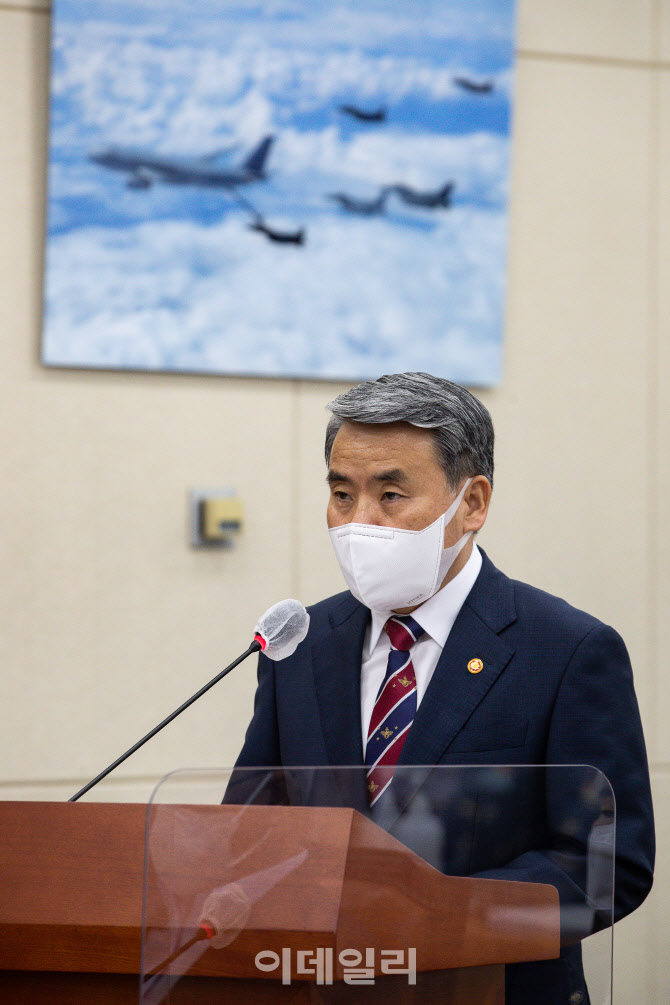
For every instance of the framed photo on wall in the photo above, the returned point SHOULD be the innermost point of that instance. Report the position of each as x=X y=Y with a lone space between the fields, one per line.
x=283 y=188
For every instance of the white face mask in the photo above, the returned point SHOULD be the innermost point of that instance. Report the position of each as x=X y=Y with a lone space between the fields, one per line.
x=387 y=568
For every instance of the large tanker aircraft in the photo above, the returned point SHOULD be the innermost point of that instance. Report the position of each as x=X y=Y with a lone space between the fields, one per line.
x=145 y=167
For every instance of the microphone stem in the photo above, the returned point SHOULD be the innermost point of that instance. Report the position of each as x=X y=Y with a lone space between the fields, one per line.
x=253 y=648
x=198 y=937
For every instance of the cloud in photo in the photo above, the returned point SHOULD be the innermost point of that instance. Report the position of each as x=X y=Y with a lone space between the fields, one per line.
x=214 y=299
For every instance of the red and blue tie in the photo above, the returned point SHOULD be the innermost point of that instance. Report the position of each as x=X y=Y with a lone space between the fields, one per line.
x=395 y=706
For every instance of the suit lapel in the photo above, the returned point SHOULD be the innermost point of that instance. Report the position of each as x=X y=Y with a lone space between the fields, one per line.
x=454 y=692
x=336 y=665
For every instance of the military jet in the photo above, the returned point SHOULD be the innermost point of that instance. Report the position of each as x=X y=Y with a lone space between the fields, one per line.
x=474 y=86
x=278 y=236
x=429 y=200
x=366 y=207
x=359 y=113
x=145 y=167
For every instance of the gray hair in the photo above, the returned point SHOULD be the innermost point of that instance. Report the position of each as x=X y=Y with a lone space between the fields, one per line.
x=460 y=424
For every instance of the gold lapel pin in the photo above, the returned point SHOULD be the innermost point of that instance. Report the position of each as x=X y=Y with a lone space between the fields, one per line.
x=475 y=666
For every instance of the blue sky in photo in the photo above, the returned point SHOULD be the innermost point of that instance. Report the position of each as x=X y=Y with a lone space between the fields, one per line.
x=171 y=277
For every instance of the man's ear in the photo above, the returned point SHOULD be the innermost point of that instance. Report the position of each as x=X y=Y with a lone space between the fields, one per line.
x=477 y=497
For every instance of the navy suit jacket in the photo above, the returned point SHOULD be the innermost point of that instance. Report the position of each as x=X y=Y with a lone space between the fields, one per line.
x=556 y=688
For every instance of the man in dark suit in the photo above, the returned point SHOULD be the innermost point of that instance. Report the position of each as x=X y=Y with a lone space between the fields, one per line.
x=493 y=671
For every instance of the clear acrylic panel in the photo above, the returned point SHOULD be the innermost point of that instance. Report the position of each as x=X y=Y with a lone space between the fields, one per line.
x=295 y=889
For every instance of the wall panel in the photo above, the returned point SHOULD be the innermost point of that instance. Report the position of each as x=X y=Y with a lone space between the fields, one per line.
x=571 y=415
x=623 y=30
x=318 y=572
x=662 y=32
x=660 y=484
x=658 y=945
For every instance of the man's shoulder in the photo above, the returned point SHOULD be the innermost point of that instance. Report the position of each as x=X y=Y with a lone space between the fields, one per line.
x=534 y=606
x=333 y=611
x=540 y=604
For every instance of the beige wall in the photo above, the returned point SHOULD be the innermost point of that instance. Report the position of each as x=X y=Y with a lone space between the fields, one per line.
x=109 y=620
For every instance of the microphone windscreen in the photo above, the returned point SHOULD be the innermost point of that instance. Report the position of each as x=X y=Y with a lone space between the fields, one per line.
x=282 y=628
x=227 y=911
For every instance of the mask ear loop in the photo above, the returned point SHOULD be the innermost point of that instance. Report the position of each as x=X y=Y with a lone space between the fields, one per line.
x=450 y=554
x=453 y=508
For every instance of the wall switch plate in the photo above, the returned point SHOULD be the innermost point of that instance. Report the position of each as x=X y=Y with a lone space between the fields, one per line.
x=216 y=517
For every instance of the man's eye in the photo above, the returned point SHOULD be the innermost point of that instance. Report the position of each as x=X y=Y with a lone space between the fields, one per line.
x=391 y=495
x=340 y=495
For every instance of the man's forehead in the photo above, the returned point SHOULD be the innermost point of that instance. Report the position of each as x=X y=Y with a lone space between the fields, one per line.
x=387 y=437
x=395 y=450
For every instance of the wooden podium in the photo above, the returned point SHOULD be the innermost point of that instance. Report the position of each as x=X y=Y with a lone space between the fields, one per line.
x=71 y=882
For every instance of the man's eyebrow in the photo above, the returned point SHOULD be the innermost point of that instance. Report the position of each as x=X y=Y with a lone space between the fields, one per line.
x=335 y=476
x=393 y=475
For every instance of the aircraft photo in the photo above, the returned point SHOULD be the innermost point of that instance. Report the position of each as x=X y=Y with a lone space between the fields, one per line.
x=431 y=200
x=362 y=114
x=474 y=86
x=279 y=236
x=143 y=167
x=366 y=207
x=279 y=188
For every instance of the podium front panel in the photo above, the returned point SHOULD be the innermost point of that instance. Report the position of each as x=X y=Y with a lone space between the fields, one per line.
x=451 y=883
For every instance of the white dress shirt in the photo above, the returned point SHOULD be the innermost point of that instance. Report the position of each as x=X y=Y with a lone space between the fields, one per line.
x=436 y=616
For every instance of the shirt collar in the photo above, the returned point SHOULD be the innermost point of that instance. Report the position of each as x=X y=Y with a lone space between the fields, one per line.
x=437 y=614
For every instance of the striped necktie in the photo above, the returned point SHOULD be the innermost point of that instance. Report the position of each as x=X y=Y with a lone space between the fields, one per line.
x=395 y=706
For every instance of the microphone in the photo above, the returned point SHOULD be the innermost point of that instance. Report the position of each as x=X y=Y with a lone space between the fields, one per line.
x=282 y=628
x=278 y=634
x=226 y=910
x=224 y=914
